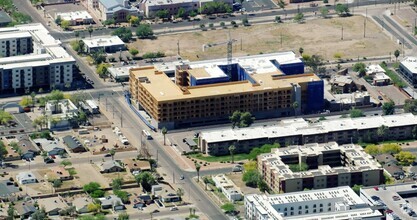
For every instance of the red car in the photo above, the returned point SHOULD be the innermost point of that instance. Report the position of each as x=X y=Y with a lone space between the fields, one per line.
x=376 y=188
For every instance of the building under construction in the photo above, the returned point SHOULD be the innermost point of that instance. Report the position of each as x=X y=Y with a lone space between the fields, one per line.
x=207 y=92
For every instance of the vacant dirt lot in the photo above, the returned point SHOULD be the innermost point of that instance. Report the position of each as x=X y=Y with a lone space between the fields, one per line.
x=320 y=36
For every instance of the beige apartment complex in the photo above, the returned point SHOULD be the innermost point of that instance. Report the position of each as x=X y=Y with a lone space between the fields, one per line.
x=204 y=93
x=329 y=165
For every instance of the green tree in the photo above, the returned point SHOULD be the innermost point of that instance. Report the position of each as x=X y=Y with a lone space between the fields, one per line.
x=245 y=22
x=278 y=19
x=372 y=150
x=235 y=118
x=57 y=183
x=66 y=163
x=315 y=62
x=5 y=117
x=10 y=212
x=391 y=148
x=144 y=31
x=193 y=14
x=298 y=167
x=123 y=33
x=56 y=95
x=342 y=10
x=94 y=207
x=215 y=8
x=246 y=119
x=109 y=22
x=146 y=180
x=356 y=113
x=162 y=14
x=90 y=30
x=182 y=13
x=102 y=69
x=251 y=178
x=232 y=150
x=112 y=152
x=299 y=18
x=180 y=192
x=164 y=131
x=91 y=187
x=123 y=195
x=388 y=108
x=65 y=24
x=409 y=106
x=250 y=165
x=228 y=207
x=405 y=158
x=382 y=132
x=357 y=188
x=26 y=101
x=301 y=51
x=39 y=214
x=3 y=150
x=324 y=12
x=263 y=187
x=117 y=184
x=58 y=20
x=197 y=168
x=133 y=51
x=360 y=68
x=134 y=21
x=98 y=57
x=282 y=4
x=396 y=54
x=123 y=216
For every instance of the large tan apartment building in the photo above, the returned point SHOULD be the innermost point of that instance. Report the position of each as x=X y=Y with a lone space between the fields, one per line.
x=329 y=165
x=204 y=92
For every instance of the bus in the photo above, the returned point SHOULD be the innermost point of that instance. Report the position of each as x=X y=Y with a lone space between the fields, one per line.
x=147 y=134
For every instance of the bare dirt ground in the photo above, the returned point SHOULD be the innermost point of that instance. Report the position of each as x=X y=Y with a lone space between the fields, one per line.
x=319 y=36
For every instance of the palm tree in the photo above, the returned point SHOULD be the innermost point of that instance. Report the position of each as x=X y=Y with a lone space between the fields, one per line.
x=232 y=149
x=197 y=168
x=112 y=153
x=32 y=95
x=90 y=30
x=295 y=107
x=301 y=50
x=164 y=131
x=382 y=132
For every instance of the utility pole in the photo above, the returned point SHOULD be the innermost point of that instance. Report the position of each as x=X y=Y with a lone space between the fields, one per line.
x=281 y=39
x=241 y=42
x=113 y=111
x=178 y=47
x=342 y=33
x=121 y=120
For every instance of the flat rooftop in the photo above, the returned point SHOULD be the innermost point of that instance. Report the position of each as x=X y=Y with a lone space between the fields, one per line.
x=299 y=126
x=352 y=152
x=273 y=205
x=74 y=15
x=14 y=35
x=103 y=41
x=167 y=2
x=410 y=63
x=163 y=88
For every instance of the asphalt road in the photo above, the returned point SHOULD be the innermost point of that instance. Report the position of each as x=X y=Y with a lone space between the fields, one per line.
x=24 y=6
x=134 y=124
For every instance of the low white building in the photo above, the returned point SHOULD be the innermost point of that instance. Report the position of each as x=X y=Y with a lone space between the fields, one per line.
x=60 y=113
x=378 y=75
x=332 y=203
x=109 y=44
x=26 y=178
x=76 y=17
x=120 y=74
x=229 y=189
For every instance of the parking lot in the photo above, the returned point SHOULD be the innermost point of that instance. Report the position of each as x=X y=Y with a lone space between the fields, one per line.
x=176 y=140
x=393 y=197
x=256 y=5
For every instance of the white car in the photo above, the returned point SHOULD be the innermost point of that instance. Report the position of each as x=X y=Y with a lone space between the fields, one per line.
x=173 y=209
